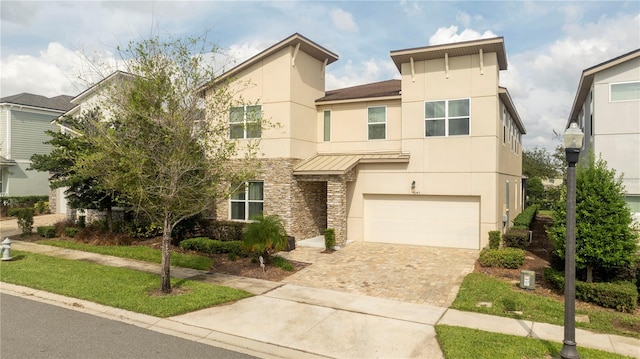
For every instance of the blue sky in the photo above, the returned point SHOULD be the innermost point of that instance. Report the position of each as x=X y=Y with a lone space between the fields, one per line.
x=44 y=45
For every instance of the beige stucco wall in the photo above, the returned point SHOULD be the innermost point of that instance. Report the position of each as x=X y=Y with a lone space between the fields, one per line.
x=287 y=92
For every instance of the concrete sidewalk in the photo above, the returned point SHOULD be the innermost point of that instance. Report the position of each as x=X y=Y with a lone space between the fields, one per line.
x=290 y=321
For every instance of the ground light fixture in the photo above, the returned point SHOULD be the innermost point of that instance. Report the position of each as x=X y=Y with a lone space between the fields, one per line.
x=573 y=139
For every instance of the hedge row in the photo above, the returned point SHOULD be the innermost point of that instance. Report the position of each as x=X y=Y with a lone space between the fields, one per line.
x=224 y=230
x=623 y=296
x=526 y=217
x=504 y=257
x=213 y=246
x=516 y=238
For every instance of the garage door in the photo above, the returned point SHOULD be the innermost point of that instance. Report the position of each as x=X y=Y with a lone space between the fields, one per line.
x=439 y=221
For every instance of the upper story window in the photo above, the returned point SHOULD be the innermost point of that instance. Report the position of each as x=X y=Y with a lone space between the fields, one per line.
x=244 y=121
x=327 y=126
x=627 y=91
x=504 y=125
x=446 y=118
x=247 y=201
x=377 y=122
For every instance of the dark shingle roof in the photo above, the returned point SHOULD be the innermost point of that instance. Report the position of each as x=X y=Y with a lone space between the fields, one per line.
x=376 y=89
x=60 y=103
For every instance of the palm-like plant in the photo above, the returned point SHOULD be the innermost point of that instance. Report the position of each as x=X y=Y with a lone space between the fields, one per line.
x=265 y=234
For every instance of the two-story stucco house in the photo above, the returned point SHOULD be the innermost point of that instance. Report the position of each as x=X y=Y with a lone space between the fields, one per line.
x=24 y=118
x=607 y=109
x=431 y=159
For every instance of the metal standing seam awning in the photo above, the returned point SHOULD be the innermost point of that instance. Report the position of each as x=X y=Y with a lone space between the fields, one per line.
x=341 y=163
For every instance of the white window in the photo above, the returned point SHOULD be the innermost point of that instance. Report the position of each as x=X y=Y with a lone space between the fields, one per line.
x=327 y=126
x=247 y=201
x=446 y=118
x=504 y=125
x=377 y=122
x=626 y=91
x=245 y=121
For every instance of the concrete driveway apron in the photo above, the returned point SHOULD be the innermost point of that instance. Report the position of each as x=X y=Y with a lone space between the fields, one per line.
x=414 y=274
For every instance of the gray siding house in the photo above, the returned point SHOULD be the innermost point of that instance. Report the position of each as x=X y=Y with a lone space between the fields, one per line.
x=24 y=118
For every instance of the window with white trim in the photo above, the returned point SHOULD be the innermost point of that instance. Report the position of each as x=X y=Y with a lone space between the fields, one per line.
x=377 y=122
x=625 y=91
x=247 y=200
x=446 y=118
x=327 y=126
x=245 y=122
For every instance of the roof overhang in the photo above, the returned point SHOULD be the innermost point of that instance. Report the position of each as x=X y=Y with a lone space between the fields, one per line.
x=296 y=40
x=586 y=80
x=361 y=99
x=464 y=48
x=508 y=103
x=341 y=163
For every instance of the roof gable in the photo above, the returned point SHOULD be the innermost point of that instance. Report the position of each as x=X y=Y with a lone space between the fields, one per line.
x=295 y=40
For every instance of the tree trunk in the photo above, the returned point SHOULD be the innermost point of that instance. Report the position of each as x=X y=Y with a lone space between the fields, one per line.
x=109 y=218
x=166 y=257
x=589 y=274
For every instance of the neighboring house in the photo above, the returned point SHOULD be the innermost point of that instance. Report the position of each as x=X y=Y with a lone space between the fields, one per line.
x=434 y=158
x=552 y=183
x=607 y=109
x=88 y=100
x=24 y=118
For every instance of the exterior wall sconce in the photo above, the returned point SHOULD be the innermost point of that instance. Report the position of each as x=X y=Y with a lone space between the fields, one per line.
x=413 y=187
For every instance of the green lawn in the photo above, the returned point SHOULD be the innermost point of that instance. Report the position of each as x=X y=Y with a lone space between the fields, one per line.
x=545 y=212
x=505 y=297
x=466 y=343
x=141 y=253
x=116 y=287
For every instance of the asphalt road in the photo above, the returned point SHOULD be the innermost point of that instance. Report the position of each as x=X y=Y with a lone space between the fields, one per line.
x=31 y=329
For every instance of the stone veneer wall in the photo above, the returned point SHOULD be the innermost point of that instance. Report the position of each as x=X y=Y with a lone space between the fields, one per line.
x=301 y=205
x=53 y=200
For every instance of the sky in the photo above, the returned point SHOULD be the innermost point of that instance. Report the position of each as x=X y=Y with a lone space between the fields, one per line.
x=49 y=48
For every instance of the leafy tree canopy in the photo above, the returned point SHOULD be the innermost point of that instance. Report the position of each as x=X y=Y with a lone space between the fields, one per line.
x=156 y=147
x=538 y=162
x=605 y=238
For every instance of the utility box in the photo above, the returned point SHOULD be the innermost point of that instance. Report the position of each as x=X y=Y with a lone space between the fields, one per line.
x=528 y=279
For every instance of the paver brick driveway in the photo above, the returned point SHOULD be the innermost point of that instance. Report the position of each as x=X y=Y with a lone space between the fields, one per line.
x=415 y=274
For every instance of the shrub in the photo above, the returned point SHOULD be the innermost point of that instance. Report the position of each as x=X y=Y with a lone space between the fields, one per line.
x=622 y=296
x=71 y=231
x=282 y=263
x=25 y=218
x=265 y=234
x=46 y=231
x=516 y=238
x=526 y=217
x=329 y=238
x=224 y=230
x=212 y=246
x=511 y=258
x=494 y=239
x=41 y=207
x=7 y=203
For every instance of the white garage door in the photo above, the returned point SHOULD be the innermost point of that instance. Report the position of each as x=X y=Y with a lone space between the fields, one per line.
x=439 y=221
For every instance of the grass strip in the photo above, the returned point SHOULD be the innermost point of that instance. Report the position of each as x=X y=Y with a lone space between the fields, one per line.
x=467 y=343
x=142 y=253
x=116 y=287
x=506 y=298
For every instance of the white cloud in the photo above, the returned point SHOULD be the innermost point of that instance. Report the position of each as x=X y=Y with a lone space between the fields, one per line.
x=410 y=8
x=543 y=81
x=445 y=35
x=368 y=71
x=343 y=20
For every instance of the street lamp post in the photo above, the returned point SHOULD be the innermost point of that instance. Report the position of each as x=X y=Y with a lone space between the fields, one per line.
x=572 y=144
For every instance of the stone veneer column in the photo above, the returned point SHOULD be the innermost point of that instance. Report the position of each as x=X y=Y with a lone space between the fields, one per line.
x=337 y=208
